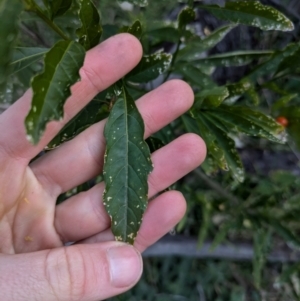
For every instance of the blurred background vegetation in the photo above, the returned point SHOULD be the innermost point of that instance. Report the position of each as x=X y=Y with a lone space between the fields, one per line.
x=238 y=241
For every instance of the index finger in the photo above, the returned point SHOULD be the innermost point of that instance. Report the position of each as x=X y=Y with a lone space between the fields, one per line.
x=103 y=66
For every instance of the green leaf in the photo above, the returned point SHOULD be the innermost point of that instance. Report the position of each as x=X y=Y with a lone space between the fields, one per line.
x=94 y=112
x=52 y=87
x=222 y=233
x=270 y=66
x=289 y=272
x=214 y=149
x=194 y=49
x=195 y=76
x=290 y=64
x=253 y=96
x=186 y=16
x=251 y=13
x=226 y=145
x=89 y=33
x=283 y=101
x=57 y=7
x=240 y=87
x=211 y=97
x=284 y=232
x=127 y=165
x=190 y=124
x=135 y=29
x=150 y=67
x=248 y=121
x=262 y=244
x=236 y=58
x=206 y=219
x=154 y=144
x=9 y=12
x=25 y=56
x=164 y=34
x=141 y=3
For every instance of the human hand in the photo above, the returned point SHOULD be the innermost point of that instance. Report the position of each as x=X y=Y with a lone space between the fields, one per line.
x=34 y=263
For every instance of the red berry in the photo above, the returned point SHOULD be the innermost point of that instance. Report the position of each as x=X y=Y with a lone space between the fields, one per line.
x=282 y=120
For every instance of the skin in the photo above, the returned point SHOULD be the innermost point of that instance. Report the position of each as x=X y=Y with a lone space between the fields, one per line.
x=34 y=263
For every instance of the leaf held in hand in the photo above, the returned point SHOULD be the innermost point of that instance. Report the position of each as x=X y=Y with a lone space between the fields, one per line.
x=127 y=165
x=89 y=33
x=52 y=87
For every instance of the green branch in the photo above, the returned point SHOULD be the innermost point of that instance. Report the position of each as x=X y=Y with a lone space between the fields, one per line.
x=32 y=6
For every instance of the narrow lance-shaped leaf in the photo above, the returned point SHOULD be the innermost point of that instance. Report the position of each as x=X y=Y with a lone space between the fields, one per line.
x=227 y=145
x=194 y=49
x=127 y=165
x=251 y=13
x=283 y=101
x=250 y=122
x=270 y=66
x=9 y=12
x=290 y=64
x=236 y=58
x=262 y=243
x=253 y=96
x=206 y=219
x=284 y=232
x=89 y=33
x=164 y=34
x=135 y=29
x=195 y=76
x=94 y=112
x=52 y=87
x=186 y=16
x=25 y=56
x=214 y=150
x=150 y=67
x=211 y=97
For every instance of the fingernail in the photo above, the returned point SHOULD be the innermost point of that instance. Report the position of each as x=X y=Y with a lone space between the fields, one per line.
x=125 y=266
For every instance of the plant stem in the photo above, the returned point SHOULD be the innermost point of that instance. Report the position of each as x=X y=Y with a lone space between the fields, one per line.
x=173 y=61
x=32 y=6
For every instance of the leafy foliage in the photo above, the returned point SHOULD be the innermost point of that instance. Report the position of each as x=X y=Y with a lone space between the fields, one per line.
x=240 y=110
x=57 y=8
x=25 y=56
x=9 y=12
x=52 y=87
x=252 y=13
x=150 y=67
x=89 y=33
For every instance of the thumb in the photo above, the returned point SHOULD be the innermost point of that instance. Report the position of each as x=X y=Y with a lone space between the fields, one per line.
x=79 y=272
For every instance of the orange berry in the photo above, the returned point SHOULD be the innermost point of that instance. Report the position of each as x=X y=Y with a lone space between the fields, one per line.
x=282 y=120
